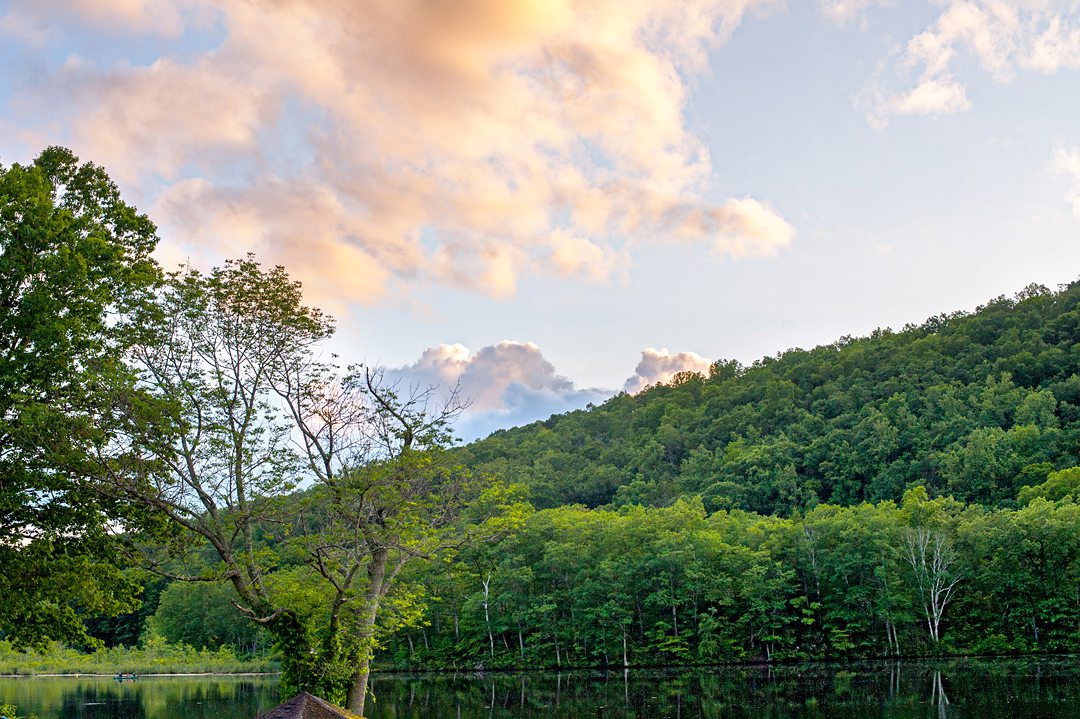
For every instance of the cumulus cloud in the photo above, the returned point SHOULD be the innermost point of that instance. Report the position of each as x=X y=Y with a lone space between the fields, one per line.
x=575 y=255
x=511 y=383
x=1066 y=161
x=658 y=366
x=304 y=227
x=507 y=384
x=460 y=142
x=1005 y=37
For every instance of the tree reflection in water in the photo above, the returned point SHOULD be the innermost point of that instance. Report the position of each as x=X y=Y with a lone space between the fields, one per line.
x=148 y=698
x=984 y=688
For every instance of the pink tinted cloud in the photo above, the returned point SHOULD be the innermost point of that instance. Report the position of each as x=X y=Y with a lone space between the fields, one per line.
x=657 y=366
x=467 y=142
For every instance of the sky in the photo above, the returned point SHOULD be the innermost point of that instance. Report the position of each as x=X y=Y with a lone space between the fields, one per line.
x=550 y=201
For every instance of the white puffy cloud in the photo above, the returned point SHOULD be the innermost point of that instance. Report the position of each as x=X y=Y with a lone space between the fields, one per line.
x=938 y=96
x=465 y=142
x=1004 y=36
x=512 y=383
x=575 y=255
x=507 y=384
x=658 y=366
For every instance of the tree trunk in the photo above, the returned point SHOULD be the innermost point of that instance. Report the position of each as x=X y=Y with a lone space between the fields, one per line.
x=486 y=583
x=357 y=694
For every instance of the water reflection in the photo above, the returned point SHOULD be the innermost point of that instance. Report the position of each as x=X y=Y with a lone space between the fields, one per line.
x=147 y=698
x=982 y=689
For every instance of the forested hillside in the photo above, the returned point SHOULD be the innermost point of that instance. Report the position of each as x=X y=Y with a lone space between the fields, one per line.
x=969 y=405
x=908 y=493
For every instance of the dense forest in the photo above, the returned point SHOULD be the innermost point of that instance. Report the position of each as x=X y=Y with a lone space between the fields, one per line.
x=906 y=493
x=674 y=585
x=973 y=406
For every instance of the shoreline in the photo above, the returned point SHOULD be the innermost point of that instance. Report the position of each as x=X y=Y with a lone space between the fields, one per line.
x=775 y=664
x=595 y=668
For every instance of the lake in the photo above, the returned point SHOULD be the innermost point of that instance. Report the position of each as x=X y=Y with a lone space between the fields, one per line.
x=980 y=688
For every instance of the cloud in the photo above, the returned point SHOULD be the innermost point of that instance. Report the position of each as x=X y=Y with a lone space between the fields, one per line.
x=573 y=255
x=37 y=19
x=1066 y=160
x=303 y=226
x=658 y=366
x=1005 y=37
x=467 y=143
x=511 y=383
x=938 y=96
x=506 y=385
x=159 y=119
x=846 y=12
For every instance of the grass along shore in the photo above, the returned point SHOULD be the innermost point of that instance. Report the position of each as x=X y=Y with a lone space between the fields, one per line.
x=153 y=657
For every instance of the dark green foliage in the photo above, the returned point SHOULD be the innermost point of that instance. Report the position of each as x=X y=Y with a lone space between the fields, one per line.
x=126 y=629
x=970 y=405
x=950 y=526
x=74 y=261
x=776 y=528
x=203 y=616
x=675 y=585
x=910 y=492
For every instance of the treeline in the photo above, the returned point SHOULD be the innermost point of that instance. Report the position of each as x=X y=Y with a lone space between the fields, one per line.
x=677 y=585
x=969 y=405
x=153 y=656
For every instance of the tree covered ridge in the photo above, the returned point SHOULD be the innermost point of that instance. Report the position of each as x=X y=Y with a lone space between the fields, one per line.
x=972 y=405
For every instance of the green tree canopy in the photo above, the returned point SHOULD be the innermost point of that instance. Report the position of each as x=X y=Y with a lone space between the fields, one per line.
x=74 y=263
x=239 y=412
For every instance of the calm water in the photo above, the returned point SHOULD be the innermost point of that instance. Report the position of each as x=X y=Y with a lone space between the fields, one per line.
x=146 y=698
x=982 y=689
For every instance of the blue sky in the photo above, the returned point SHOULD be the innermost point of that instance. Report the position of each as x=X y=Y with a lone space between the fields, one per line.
x=551 y=200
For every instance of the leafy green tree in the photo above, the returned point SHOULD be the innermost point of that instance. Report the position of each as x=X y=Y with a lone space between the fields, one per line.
x=203 y=615
x=1059 y=486
x=74 y=263
x=242 y=413
x=930 y=552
